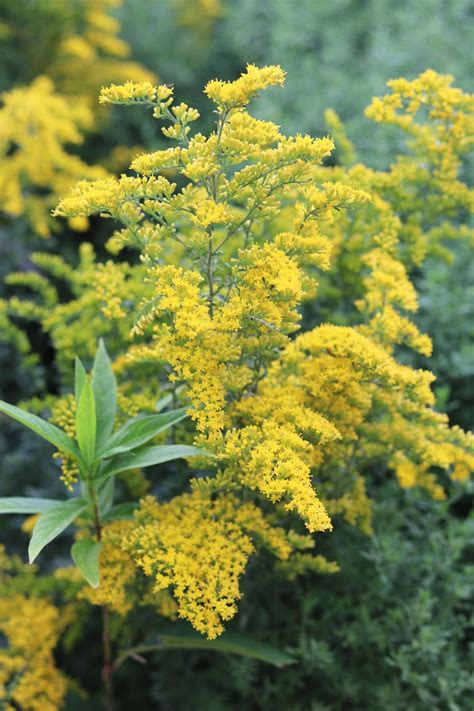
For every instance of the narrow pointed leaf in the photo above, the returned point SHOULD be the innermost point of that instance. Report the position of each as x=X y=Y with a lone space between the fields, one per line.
x=139 y=431
x=85 y=554
x=25 y=505
x=86 y=423
x=181 y=636
x=53 y=522
x=41 y=427
x=105 y=391
x=148 y=457
x=80 y=376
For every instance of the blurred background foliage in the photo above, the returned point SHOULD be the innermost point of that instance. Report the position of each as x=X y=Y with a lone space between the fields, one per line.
x=337 y=54
x=389 y=630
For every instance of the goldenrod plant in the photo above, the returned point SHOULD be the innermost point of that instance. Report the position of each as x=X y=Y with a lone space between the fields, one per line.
x=235 y=231
x=248 y=230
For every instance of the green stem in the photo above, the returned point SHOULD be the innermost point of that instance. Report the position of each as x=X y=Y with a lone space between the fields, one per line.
x=107 y=665
x=210 y=278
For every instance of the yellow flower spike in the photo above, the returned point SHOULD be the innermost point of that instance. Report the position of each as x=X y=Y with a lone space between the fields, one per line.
x=239 y=92
x=128 y=93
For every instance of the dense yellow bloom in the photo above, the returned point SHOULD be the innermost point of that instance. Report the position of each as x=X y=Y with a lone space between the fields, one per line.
x=221 y=342
x=129 y=93
x=213 y=341
x=382 y=410
x=29 y=678
x=189 y=544
x=239 y=92
x=36 y=126
x=273 y=459
x=199 y=547
x=388 y=288
x=192 y=552
x=418 y=205
x=449 y=111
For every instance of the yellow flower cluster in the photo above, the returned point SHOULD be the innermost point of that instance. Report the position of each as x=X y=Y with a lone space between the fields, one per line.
x=132 y=92
x=303 y=562
x=248 y=240
x=388 y=288
x=274 y=460
x=198 y=547
x=192 y=552
x=191 y=545
x=422 y=194
x=36 y=126
x=29 y=679
x=63 y=414
x=382 y=410
x=228 y=95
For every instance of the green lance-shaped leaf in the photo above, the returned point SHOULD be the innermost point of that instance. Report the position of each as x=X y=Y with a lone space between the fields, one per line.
x=139 y=431
x=85 y=554
x=53 y=522
x=105 y=391
x=86 y=423
x=149 y=456
x=25 y=505
x=181 y=636
x=41 y=427
x=80 y=377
